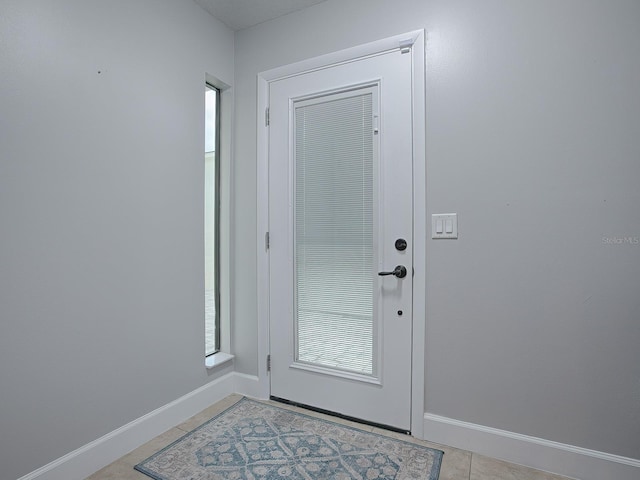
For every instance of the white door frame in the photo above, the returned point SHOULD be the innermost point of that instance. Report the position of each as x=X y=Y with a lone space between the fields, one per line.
x=415 y=41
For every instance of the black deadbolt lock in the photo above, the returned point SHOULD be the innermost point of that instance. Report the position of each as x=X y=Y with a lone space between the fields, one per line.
x=401 y=244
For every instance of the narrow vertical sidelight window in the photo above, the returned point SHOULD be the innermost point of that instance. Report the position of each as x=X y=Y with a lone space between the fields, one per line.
x=212 y=220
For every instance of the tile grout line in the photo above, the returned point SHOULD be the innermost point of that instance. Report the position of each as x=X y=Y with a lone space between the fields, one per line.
x=470 y=463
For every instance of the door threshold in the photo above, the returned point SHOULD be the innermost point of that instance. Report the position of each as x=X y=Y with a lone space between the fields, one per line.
x=340 y=415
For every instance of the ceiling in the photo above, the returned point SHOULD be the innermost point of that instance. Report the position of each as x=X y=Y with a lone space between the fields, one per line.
x=239 y=14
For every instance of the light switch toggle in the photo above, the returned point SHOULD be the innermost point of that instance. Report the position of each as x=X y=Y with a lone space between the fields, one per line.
x=448 y=226
x=444 y=225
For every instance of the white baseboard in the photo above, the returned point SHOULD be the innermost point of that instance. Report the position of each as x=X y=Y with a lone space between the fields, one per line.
x=248 y=385
x=101 y=452
x=559 y=458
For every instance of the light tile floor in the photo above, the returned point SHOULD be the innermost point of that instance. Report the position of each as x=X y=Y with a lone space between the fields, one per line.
x=456 y=464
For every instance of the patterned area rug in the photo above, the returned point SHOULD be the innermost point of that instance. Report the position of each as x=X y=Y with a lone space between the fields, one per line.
x=254 y=441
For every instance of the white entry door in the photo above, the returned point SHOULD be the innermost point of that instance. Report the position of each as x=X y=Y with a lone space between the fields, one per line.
x=341 y=253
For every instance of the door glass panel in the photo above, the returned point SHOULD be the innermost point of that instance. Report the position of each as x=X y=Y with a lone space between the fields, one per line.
x=334 y=243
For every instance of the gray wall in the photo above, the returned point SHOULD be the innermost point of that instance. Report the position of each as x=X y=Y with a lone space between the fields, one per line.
x=533 y=138
x=101 y=216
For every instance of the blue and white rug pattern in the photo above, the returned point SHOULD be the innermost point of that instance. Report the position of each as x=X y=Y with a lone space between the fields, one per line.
x=256 y=441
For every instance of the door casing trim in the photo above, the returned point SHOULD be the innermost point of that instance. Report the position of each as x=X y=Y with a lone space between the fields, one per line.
x=415 y=38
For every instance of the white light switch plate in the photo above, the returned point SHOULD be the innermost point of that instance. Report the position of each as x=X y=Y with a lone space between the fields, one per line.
x=444 y=225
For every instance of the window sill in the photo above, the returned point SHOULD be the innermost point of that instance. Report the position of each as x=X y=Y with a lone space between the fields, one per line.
x=217 y=359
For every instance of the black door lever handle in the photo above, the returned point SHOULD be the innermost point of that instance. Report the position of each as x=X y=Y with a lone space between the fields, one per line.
x=400 y=271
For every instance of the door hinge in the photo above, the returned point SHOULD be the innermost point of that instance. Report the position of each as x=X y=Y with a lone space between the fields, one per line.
x=268 y=363
x=267 y=241
x=266 y=117
x=405 y=46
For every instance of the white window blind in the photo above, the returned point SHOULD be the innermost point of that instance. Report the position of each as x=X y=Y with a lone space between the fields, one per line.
x=334 y=217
